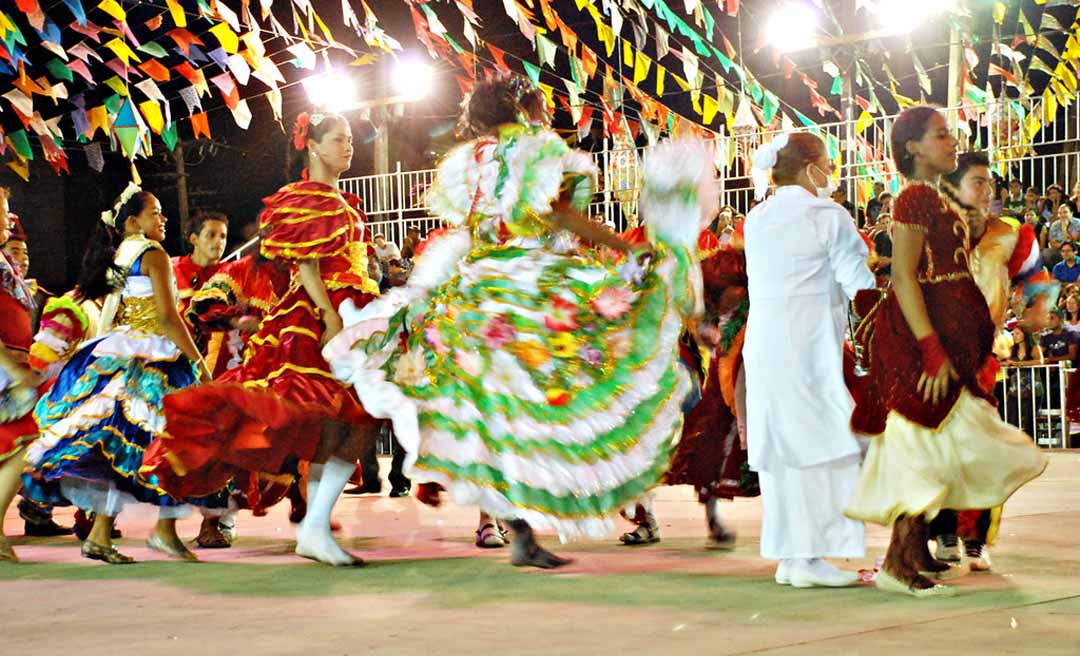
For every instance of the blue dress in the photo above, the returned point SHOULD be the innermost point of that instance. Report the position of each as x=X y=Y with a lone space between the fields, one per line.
x=105 y=406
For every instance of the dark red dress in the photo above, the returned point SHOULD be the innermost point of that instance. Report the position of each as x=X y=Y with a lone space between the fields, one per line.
x=271 y=408
x=957 y=310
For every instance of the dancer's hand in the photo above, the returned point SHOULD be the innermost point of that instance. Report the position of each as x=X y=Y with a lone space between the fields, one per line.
x=205 y=375
x=935 y=388
x=333 y=326
x=246 y=324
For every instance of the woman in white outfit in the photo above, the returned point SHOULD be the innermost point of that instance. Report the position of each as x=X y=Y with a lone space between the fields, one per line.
x=804 y=261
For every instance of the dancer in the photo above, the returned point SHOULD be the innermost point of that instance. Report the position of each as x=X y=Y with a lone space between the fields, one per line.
x=940 y=442
x=804 y=259
x=1002 y=256
x=19 y=385
x=283 y=404
x=225 y=312
x=535 y=382
x=104 y=408
x=711 y=454
x=208 y=232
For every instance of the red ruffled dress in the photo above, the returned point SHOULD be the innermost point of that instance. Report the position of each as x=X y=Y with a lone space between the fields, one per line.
x=955 y=454
x=17 y=424
x=271 y=408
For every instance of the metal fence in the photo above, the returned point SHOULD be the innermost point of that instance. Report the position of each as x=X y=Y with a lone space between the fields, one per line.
x=1019 y=146
x=1032 y=398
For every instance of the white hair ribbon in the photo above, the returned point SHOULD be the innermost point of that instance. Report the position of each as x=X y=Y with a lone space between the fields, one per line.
x=764 y=159
x=108 y=217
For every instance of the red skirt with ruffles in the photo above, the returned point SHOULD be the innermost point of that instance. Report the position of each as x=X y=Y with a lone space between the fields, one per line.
x=261 y=414
x=961 y=320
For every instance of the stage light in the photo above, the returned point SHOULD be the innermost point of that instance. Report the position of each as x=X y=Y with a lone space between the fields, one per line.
x=332 y=91
x=412 y=77
x=792 y=27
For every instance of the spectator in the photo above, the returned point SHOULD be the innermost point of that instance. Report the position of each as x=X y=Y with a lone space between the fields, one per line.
x=1067 y=270
x=1072 y=314
x=408 y=246
x=1065 y=227
x=1074 y=199
x=1014 y=204
x=1058 y=344
x=1035 y=220
x=881 y=235
x=839 y=196
x=1052 y=201
x=386 y=250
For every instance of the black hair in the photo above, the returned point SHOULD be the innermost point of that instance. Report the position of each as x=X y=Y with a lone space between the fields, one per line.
x=98 y=277
x=495 y=101
x=195 y=225
x=964 y=162
x=296 y=161
x=910 y=125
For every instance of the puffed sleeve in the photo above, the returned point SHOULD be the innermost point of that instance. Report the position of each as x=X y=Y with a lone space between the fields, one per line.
x=307 y=220
x=540 y=168
x=465 y=175
x=220 y=299
x=917 y=207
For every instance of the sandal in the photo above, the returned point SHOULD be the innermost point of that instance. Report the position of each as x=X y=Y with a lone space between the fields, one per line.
x=212 y=537
x=106 y=554
x=489 y=536
x=177 y=551
x=643 y=534
x=7 y=554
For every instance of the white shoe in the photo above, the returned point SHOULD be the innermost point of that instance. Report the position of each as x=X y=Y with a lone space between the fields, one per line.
x=816 y=572
x=782 y=576
x=948 y=549
x=981 y=563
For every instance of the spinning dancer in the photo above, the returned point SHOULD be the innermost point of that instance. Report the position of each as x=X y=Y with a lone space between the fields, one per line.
x=283 y=404
x=1001 y=257
x=804 y=260
x=105 y=406
x=711 y=454
x=535 y=382
x=929 y=393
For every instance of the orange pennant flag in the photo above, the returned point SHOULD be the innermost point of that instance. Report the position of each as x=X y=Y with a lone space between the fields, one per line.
x=97 y=118
x=155 y=70
x=588 y=59
x=184 y=39
x=200 y=125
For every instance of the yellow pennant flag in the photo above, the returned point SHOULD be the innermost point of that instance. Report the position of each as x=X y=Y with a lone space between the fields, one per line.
x=642 y=64
x=122 y=51
x=151 y=110
x=226 y=37
x=117 y=85
x=96 y=118
x=710 y=108
x=113 y=8
x=21 y=168
x=999 y=12
x=864 y=121
x=177 y=13
x=661 y=72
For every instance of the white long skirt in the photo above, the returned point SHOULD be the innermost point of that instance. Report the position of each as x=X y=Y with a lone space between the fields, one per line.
x=804 y=511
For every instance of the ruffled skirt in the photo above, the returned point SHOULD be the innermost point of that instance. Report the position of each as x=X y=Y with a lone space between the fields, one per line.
x=260 y=415
x=536 y=385
x=973 y=461
x=101 y=414
x=17 y=424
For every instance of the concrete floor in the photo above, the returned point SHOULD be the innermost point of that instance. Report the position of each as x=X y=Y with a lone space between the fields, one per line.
x=427 y=590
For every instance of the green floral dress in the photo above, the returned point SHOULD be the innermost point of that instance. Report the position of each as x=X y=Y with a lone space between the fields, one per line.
x=521 y=373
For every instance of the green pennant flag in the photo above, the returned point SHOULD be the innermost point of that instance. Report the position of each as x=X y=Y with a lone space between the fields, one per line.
x=577 y=72
x=168 y=135
x=113 y=102
x=805 y=120
x=756 y=93
x=920 y=72
x=59 y=70
x=833 y=145
x=153 y=49
x=533 y=71
x=837 y=86
x=453 y=44
x=21 y=144
x=769 y=104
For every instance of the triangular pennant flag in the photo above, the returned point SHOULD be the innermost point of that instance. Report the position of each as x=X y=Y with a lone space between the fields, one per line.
x=227 y=86
x=169 y=136
x=240 y=69
x=532 y=71
x=113 y=8
x=151 y=111
x=155 y=70
x=545 y=48
x=661 y=44
x=127 y=129
x=191 y=99
x=242 y=114
x=150 y=90
x=21 y=144
x=97 y=119
x=94 y=158
x=226 y=37
x=123 y=51
x=153 y=49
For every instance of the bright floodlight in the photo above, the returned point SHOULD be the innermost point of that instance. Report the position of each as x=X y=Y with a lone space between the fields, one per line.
x=332 y=91
x=413 y=77
x=791 y=27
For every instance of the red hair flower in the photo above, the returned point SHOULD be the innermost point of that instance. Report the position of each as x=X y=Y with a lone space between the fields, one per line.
x=300 y=131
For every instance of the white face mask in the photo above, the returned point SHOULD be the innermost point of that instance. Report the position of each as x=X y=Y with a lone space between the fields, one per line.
x=830 y=184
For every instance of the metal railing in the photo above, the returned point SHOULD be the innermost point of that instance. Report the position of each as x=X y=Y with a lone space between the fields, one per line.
x=1032 y=398
x=1038 y=155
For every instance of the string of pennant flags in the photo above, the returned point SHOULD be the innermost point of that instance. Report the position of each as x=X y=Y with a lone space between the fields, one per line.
x=84 y=68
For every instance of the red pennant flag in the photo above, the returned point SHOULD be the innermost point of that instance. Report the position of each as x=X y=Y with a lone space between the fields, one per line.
x=184 y=39
x=200 y=125
x=500 y=57
x=155 y=70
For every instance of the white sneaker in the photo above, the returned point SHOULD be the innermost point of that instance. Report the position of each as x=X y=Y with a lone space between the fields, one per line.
x=816 y=572
x=981 y=562
x=782 y=576
x=948 y=549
